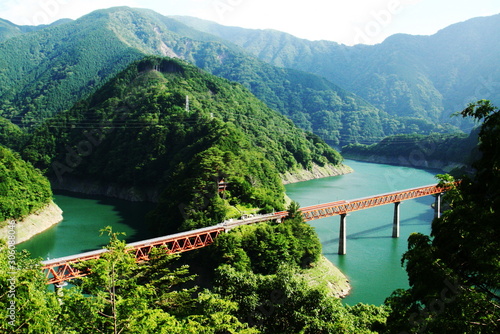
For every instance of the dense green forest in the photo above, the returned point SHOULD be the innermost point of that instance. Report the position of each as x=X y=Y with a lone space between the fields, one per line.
x=48 y=70
x=422 y=77
x=158 y=296
x=408 y=84
x=11 y=135
x=23 y=189
x=136 y=131
x=454 y=273
x=79 y=102
x=9 y=29
x=453 y=276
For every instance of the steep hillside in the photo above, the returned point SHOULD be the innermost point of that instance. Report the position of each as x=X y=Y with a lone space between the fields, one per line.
x=23 y=189
x=8 y=30
x=137 y=132
x=48 y=70
x=429 y=77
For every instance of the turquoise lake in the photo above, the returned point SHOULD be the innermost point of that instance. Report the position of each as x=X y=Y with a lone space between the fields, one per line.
x=373 y=259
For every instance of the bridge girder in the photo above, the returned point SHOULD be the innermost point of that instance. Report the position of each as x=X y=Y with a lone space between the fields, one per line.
x=60 y=270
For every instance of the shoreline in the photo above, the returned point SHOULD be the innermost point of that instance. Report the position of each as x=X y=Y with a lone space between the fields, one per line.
x=51 y=214
x=96 y=188
x=151 y=194
x=421 y=164
x=35 y=223
x=326 y=274
x=317 y=172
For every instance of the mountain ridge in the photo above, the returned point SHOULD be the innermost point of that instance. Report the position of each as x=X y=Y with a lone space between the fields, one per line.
x=405 y=65
x=50 y=69
x=137 y=132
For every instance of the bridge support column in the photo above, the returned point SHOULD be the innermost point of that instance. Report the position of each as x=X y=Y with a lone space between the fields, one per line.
x=343 y=235
x=395 y=224
x=437 y=206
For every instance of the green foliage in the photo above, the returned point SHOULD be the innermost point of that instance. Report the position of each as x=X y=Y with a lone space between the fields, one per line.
x=284 y=303
x=11 y=136
x=136 y=131
x=264 y=247
x=257 y=267
x=48 y=70
x=122 y=296
x=8 y=30
x=454 y=276
x=25 y=304
x=23 y=189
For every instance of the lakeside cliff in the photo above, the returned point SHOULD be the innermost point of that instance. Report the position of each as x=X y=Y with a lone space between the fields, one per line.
x=33 y=224
x=316 y=172
x=443 y=165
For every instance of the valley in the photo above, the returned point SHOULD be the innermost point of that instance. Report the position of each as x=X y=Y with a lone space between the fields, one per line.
x=139 y=124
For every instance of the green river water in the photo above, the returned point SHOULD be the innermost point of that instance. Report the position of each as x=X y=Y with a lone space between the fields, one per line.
x=373 y=259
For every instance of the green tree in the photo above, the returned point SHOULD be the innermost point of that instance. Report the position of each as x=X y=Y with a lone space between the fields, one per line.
x=26 y=306
x=23 y=189
x=123 y=296
x=285 y=303
x=454 y=277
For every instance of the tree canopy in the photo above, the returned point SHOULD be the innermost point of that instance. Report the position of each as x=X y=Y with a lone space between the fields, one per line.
x=23 y=189
x=454 y=276
x=165 y=125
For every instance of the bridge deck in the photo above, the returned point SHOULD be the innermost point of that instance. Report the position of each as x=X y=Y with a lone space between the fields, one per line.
x=342 y=207
x=61 y=269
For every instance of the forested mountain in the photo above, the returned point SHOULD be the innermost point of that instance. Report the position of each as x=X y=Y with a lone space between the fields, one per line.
x=428 y=77
x=136 y=131
x=9 y=29
x=46 y=71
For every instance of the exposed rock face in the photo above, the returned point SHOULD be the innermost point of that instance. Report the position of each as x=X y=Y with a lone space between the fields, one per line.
x=316 y=172
x=402 y=161
x=33 y=224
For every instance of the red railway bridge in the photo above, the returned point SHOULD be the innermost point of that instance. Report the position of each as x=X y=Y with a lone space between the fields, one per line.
x=62 y=269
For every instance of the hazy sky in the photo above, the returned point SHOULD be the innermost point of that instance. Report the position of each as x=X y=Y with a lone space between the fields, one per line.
x=347 y=21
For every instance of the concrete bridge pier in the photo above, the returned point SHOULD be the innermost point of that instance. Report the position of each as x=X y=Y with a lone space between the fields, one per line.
x=342 y=235
x=395 y=224
x=437 y=206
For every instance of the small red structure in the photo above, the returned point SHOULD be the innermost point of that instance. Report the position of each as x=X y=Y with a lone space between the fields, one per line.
x=222 y=185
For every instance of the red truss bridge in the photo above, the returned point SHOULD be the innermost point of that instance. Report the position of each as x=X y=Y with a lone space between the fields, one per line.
x=61 y=269
x=343 y=207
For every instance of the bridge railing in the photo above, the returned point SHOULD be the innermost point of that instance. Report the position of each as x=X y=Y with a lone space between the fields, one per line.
x=342 y=207
x=62 y=269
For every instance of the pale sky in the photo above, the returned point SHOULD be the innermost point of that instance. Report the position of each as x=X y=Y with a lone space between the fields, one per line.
x=348 y=21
